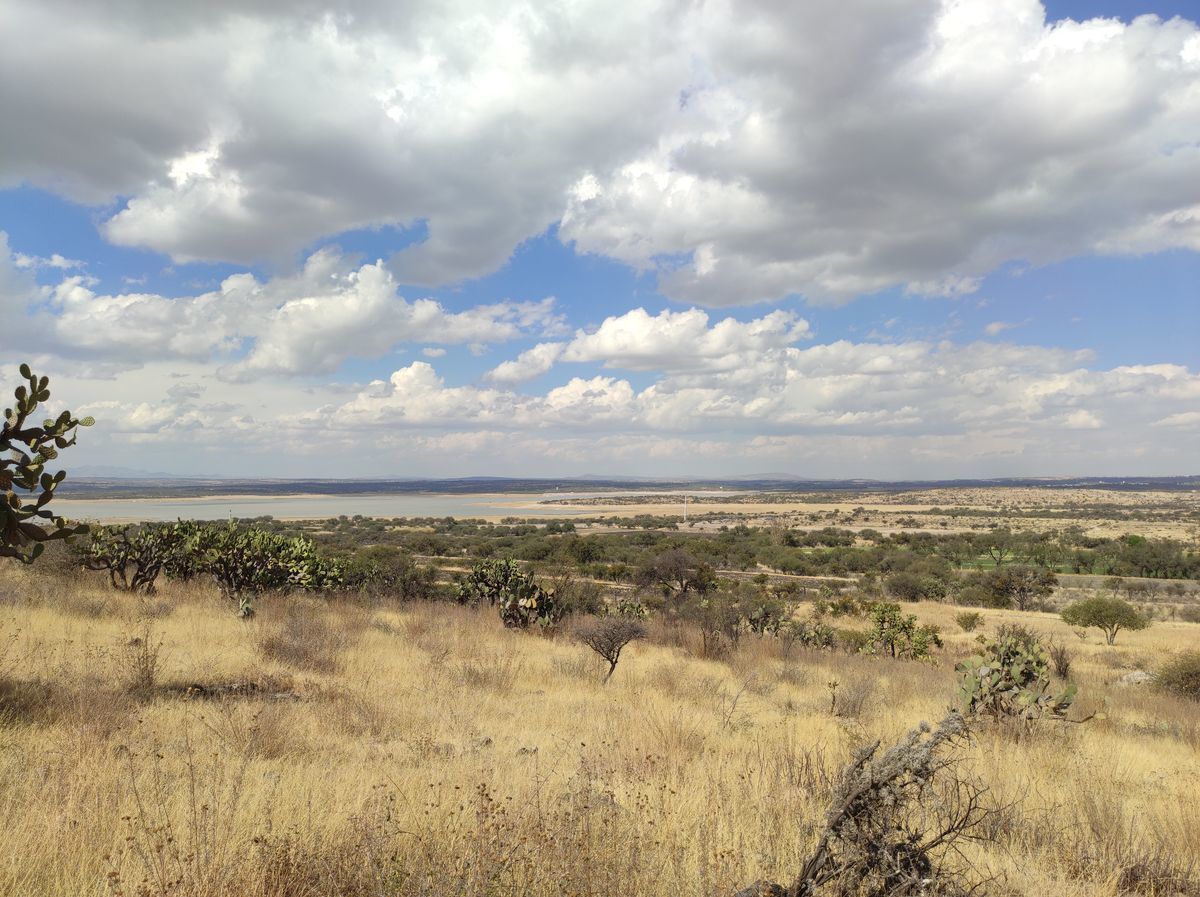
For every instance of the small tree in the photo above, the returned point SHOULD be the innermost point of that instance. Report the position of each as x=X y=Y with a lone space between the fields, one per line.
x=675 y=571
x=608 y=636
x=718 y=617
x=25 y=522
x=1108 y=614
x=1019 y=584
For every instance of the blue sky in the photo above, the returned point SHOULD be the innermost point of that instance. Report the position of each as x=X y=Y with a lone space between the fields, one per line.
x=957 y=239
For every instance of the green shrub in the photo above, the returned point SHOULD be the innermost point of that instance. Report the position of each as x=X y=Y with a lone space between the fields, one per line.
x=808 y=633
x=1181 y=675
x=629 y=607
x=247 y=561
x=968 y=620
x=852 y=641
x=502 y=583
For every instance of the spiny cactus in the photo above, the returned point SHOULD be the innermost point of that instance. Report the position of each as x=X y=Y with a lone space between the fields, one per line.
x=521 y=600
x=1011 y=679
x=246 y=561
x=26 y=522
x=135 y=556
x=898 y=634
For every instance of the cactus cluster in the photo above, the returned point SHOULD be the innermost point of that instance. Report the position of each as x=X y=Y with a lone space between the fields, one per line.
x=132 y=556
x=521 y=601
x=246 y=561
x=25 y=521
x=898 y=634
x=1011 y=679
x=243 y=561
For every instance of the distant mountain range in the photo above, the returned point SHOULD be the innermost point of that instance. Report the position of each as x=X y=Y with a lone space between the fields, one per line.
x=121 y=485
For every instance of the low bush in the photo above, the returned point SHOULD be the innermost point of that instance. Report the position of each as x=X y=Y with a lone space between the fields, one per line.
x=1190 y=614
x=968 y=620
x=1181 y=675
x=305 y=638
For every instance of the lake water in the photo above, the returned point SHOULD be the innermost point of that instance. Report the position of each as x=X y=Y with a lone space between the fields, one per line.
x=323 y=506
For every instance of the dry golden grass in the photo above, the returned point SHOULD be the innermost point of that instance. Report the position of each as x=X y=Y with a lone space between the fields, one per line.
x=426 y=751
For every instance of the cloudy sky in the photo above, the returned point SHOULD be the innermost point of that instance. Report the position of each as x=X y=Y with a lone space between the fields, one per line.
x=844 y=238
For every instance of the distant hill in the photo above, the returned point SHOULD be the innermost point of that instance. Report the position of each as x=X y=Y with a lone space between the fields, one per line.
x=112 y=472
x=122 y=486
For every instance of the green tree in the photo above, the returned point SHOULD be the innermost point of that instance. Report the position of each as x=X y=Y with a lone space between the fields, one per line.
x=1019 y=584
x=25 y=521
x=1109 y=614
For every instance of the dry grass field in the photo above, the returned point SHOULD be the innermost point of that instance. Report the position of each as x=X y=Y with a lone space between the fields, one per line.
x=1098 y=512
x=164 y=747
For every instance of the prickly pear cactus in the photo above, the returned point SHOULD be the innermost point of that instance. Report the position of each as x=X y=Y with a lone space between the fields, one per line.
x=502 y=583
x=1011 y=679
x=26 y=487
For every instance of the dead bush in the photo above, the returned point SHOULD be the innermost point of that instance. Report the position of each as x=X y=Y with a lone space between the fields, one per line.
x=608 y=636
x=138 y=661
x=498 y=671
x=1060 y=659
x=896 y=823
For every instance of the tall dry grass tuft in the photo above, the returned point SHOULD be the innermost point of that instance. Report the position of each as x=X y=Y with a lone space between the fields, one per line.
x=304 y=634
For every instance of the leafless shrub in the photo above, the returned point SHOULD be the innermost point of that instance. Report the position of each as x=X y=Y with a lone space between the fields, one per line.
x=138 y=661
x=677 y=732
x=1060 y=658
x=849 y=700
x=895 y=823
x=730 y=703
x=1105 y=836
x=88 y=605
x=608 y=636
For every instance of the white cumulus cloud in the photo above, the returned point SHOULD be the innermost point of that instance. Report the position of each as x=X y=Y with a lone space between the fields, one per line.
x=744 y=151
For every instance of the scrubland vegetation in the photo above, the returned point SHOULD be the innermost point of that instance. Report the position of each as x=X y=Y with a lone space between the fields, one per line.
x=363 y=744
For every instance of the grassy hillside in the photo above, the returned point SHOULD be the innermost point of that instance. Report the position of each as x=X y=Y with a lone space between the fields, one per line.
x=161 y=746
